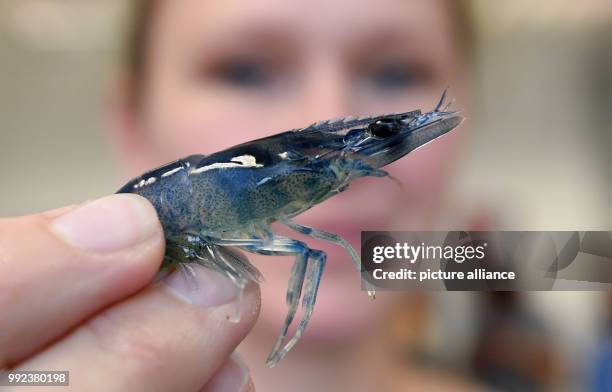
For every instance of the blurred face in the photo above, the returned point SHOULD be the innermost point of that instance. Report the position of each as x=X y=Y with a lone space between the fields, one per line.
x=221 y=73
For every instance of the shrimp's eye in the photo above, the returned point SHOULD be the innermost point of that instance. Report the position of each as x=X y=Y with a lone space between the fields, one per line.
x=384 y=128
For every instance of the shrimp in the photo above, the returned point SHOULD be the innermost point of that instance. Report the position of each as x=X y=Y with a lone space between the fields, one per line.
x=212 y=207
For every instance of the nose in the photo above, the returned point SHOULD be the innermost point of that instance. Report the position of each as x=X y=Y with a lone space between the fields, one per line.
x=325 y=92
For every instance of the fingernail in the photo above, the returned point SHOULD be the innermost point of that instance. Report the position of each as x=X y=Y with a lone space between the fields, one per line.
x=109 y=224
x=209 y=288
x=232 y=376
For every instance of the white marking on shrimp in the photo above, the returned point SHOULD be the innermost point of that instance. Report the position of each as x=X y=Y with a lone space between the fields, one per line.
x=143 y=182
x=284 y=155
x=264 y=180
x=171 y=172
x=243 y=161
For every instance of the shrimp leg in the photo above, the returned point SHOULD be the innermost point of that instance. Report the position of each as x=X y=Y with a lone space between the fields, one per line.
x=280 y=246
x=190 y=248
x=284 y=246
x=336 y=239
x=313 y=278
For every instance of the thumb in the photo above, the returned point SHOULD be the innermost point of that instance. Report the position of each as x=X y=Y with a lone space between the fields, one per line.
x=59 y=267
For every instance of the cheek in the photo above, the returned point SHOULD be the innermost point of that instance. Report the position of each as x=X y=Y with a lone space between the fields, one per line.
x=181 y=125
x=181 y=120
x=189 y=122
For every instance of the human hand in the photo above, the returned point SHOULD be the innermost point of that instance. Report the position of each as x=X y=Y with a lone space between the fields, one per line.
x=74 y=296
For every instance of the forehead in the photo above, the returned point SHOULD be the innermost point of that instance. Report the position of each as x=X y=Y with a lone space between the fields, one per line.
x=319 y=23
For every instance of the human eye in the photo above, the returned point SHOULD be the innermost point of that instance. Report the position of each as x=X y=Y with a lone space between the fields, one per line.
x=394 y=76
x=244 y=73
x=238 y=72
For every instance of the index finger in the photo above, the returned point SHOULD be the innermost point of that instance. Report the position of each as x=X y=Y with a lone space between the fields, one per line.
x=170 y=336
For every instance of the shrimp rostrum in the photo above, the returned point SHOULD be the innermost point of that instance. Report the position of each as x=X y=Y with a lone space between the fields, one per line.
x=212 y=207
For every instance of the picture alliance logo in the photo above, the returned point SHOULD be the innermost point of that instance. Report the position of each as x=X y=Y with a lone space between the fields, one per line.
x=412 y=253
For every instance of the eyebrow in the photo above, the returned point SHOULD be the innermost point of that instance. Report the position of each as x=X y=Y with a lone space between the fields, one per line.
x=278 y=37
x=258 y=33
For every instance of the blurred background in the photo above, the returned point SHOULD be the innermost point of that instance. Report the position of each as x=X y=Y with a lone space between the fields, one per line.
x=540 y=155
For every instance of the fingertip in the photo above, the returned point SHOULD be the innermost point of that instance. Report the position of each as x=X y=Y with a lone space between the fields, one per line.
x=214 y=292
x=110 y=224
x=233 y=375
x=117 y=237
x=254 y=291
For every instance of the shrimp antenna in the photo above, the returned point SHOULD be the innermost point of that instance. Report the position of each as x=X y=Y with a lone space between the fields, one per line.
x=446 y=109
x=439 y=106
